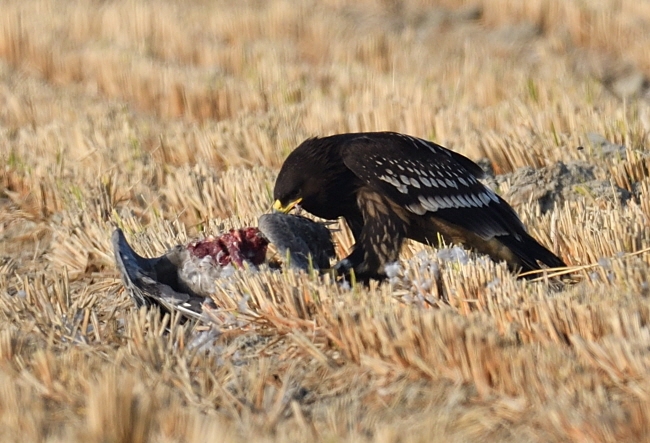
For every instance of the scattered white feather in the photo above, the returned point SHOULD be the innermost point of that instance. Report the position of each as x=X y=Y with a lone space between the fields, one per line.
x=242 y=304
x=205 y=341
x=392 y=270
x=605 y=263
x=454 y=254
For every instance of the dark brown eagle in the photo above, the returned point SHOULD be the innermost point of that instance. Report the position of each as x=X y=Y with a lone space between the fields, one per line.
x=389 y=187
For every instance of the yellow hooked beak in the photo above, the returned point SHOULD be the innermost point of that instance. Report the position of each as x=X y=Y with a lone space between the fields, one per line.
x=277 y=206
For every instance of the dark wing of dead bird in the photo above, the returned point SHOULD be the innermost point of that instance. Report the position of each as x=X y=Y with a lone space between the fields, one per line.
x=299 y=237
x=426 y=178
x=154 y=281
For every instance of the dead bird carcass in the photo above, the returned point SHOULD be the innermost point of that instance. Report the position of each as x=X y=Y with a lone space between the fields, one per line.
x=183 y=278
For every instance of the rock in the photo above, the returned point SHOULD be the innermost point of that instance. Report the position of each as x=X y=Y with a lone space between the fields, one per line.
x=601 y=147
x=555 y=184
x=598 y=191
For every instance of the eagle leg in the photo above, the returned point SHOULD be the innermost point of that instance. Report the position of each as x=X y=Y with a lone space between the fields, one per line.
x=379 y=242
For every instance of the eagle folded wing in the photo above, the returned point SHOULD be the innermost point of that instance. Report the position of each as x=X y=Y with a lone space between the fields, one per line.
x=425 y=178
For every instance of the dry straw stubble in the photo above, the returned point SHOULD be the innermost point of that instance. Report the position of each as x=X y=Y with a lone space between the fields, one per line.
x=170 y=120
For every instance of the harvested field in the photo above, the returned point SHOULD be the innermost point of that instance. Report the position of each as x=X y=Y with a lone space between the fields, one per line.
x=170 y=120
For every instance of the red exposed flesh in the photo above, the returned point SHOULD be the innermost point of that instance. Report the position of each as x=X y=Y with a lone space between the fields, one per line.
x=235 y=246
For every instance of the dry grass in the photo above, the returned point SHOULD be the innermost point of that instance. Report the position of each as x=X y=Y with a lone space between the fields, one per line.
x=170 y=120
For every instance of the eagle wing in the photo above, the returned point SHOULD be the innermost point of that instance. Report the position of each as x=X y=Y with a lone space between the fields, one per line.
x=425 y=178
